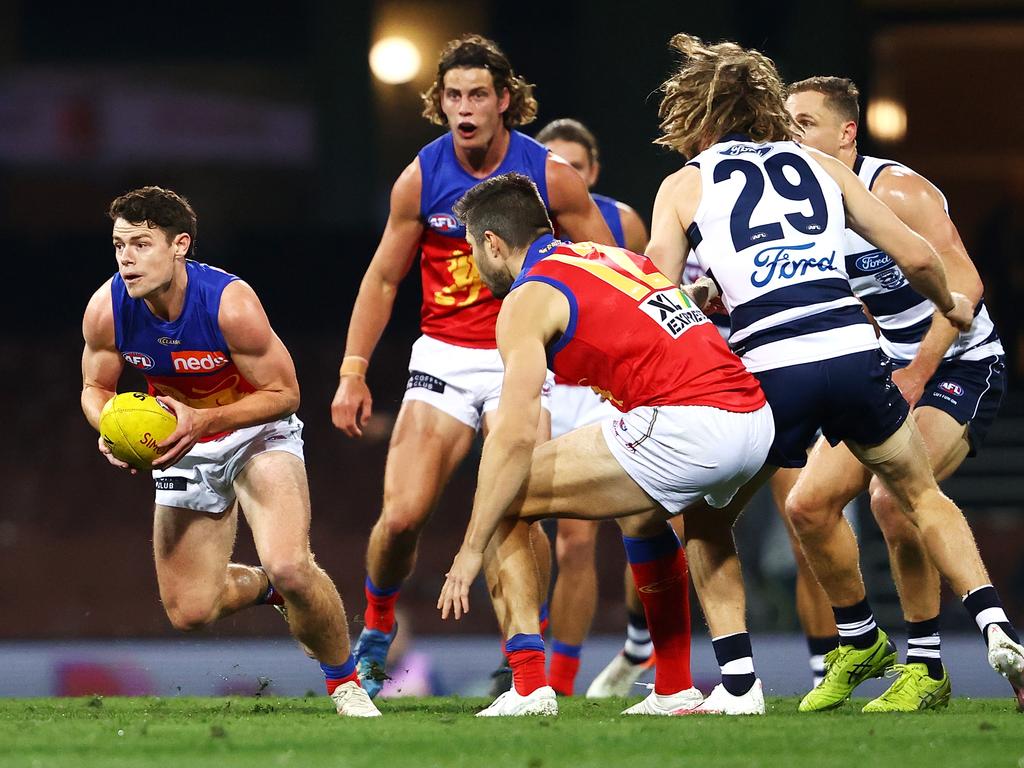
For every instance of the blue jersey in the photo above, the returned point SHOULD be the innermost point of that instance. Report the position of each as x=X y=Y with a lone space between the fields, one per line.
x=609 y=208
x=187 y=358
x=457 y=307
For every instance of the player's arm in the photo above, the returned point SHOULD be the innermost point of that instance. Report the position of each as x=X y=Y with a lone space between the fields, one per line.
x=352 y=404
x=920 y=206
x=870 y=218
x=633 y=229
x=674 y=209
x=576 y=215
x=261 y=359
x=530 y=317
x=101 y=363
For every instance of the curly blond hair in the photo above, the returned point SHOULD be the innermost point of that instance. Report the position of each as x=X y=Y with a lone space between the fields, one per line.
x=477 y=52
x=721 y=89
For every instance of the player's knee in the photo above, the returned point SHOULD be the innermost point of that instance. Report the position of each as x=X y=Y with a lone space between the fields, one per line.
x=575 y=553
x=291 y=576
x=403 y=517
x=893 y=520
x=191 y=616
x=810 y=516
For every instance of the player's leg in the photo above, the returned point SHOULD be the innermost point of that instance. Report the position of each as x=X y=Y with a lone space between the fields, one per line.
x=197 y=584
x=923 y=682
x=812 y=605
x=573 y=601
x=902 y=464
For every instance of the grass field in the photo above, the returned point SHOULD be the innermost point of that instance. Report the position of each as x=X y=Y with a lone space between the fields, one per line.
x=270 y=731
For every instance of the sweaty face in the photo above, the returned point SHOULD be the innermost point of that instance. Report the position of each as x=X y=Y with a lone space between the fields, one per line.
x=577 y=156
x=822 y=127
x=491 y=266
x=472 y=106
x=145 y=257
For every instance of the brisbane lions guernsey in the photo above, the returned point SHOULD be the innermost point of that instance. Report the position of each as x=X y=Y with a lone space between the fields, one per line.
x=457 y=307
x=633 y=337
x=186 y=358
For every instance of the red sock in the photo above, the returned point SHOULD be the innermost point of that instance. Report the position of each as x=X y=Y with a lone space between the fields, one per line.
x=380 y=607
x=662 y=582
x=545 y=619
x=340 y=674
x=526 y=657
x=565 y=663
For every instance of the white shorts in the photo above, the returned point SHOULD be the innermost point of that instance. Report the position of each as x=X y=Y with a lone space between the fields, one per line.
x=464 y=382
x=204 y=478
x=680 y=454
x=573 y=407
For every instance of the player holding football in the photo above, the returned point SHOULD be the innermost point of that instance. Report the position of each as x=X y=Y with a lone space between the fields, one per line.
x=455 y=371
x=767 y=220
x=574 y=597
x=953 y=382
x=692 y=424
x=202 y=340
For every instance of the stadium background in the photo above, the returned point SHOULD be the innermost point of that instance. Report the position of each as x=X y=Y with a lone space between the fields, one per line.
x=271 y=122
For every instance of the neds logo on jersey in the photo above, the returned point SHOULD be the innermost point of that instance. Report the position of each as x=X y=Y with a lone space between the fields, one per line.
x=672 y=311
x=139 y=360
x=443 y=222
x=192 y=361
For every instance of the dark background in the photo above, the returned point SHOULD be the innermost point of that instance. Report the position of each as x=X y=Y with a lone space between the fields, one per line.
x=265 y=115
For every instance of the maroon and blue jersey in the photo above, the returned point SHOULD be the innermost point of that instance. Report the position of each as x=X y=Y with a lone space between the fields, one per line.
x=186 y=358
x=457 y=307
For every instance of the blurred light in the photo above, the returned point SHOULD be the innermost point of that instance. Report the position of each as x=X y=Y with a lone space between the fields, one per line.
x=394 y=60
x=887 y=120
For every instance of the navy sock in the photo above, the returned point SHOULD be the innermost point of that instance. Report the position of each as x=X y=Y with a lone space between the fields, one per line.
x=924 y=646
x=856 y=625
x=736 y=660
x=986 y=608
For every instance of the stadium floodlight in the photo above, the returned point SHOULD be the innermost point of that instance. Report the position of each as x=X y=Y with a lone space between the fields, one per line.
x=887 y=120
x=395 y=60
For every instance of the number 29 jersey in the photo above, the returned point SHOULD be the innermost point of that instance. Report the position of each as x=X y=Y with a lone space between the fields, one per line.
x=457 y=307
x=770 y=229
x=632 y=336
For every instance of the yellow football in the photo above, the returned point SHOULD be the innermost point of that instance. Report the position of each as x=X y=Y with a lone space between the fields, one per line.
x=132 y=424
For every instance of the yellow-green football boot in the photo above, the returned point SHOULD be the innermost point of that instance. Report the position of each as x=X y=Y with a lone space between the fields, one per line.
x=847 y=667
x=912 y=691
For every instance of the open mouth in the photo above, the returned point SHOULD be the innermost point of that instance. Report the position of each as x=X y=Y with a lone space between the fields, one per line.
x=131 y=277
x=466 y=130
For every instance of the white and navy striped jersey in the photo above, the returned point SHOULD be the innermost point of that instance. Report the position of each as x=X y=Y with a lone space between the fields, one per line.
x=904 y=315
x=770 y=230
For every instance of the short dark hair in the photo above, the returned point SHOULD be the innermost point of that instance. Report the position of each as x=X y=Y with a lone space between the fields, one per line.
x=156 y=207
x=567 y=129
x=841 y=94
x=508 y=205
x=477 y=52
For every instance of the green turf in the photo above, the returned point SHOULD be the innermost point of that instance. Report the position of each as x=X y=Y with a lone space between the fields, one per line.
x=270 y=731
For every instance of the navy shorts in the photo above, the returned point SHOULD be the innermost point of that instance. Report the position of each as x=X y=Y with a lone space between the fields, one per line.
x=850 y=397
x=968 y=390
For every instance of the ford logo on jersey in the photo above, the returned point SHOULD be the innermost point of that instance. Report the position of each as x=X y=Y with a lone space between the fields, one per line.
x=776 y=262
x=740 y=149
x=139 y=360
x=443 y=222
x=874 y=261
x=951 y=388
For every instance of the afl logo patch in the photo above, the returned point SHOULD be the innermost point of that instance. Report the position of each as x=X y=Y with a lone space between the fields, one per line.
x=443 y=222
x=952 y=388
x=139 y=360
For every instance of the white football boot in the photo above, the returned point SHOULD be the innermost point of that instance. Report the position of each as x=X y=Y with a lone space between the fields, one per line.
x=721 y=702
x=352 y=701
x=669 y=704
x=617 y=678
x=1007 y=658
x=510 y=704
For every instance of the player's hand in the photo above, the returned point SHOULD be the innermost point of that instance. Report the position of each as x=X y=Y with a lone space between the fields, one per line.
x=911 y=384
x=962 y=313
x=460 y=577
x=191 y=427
x=105 y=450
x=352 y=405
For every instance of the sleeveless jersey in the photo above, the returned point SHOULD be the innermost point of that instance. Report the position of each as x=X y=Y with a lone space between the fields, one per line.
x=609 y=209
x=770 y=230
x=903 y=315
x=633 y=337
x=187 y=358
x=457 y=307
